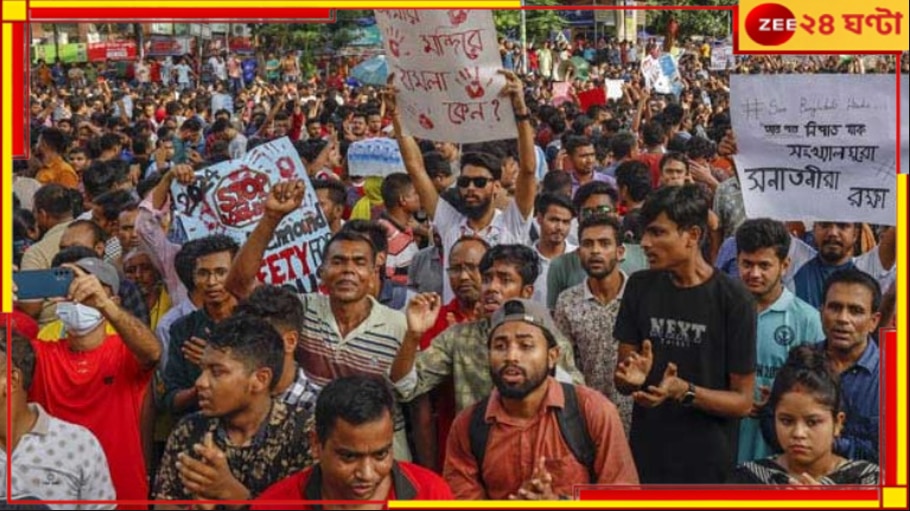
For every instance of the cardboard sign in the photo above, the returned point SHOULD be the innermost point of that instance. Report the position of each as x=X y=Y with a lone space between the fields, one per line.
x=446 y=65
x=229 y=198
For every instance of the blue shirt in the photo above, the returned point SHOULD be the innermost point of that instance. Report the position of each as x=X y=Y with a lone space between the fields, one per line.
x=726 y=257
x=809 y=280
x=860 y=402
x=785 y=324
x=249 y=69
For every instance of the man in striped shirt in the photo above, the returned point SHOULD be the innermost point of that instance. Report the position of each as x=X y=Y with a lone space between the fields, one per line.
x=347 y=332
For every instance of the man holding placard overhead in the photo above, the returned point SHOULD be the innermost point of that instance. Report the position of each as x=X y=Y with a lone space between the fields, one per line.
x=478 y=184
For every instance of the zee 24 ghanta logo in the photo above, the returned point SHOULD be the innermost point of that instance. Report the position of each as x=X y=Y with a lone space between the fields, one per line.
x=775 y=24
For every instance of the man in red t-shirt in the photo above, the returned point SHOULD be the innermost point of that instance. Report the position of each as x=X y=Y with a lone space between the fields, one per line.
x=98 y=380
x=435 y=411
x=353 y=446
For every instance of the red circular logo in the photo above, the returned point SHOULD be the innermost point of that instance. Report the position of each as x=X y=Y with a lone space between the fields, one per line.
x=770 y=24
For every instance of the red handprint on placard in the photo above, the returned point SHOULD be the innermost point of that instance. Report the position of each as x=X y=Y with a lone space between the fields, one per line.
x=422 y=115
x=395 y=38
x=458 y=16
x=425 y=122
x=470 y=79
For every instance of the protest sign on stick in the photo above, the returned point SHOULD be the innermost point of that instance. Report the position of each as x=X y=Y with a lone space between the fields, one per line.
x=229 y=198
x=446 y=64
x=816 y=147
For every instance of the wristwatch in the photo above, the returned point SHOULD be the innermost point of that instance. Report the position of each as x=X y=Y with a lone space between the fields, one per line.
x=522 y=117
x=689 y=397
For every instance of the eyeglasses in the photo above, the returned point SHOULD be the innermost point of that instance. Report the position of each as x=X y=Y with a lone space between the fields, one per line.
x=479 y=182
x=205 y=274
x=456 y=270
x=596 y=210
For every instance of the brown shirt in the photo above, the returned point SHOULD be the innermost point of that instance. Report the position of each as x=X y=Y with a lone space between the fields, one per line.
x=60 y=172
x=515 y=445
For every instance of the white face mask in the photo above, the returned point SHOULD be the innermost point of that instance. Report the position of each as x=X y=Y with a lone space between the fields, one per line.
x=78 y=319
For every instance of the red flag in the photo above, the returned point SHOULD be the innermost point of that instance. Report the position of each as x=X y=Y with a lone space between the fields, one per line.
x=595 y=96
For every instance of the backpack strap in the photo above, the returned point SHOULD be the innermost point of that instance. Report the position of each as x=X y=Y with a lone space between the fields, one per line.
x=574 y=429
x=479 y=433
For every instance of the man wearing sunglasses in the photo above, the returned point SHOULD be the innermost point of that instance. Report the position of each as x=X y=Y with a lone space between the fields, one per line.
x=478 y=185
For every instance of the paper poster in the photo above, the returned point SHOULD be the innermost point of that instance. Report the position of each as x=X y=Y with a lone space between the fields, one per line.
x=614 y=89
x=229 y=198
x=560 y=93
x=816 y=147
x=375 y=157
x=446 y=64
x=661 y=74
x=722 y=58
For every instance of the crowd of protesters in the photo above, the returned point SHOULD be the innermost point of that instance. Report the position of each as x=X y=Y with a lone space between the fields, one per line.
x=587 y=303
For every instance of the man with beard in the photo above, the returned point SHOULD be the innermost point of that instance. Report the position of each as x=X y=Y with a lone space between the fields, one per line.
x=478 y=184
x=554 y=216
x=784 y=321
x=507 y=271
x=836 y=241
x=353 y=446
x=357 y=126
x=583 y=158
x=594 y=198
x=586 y=313
x=701 y=324
x=347 y=332
x=526 y=453
x=243 y=439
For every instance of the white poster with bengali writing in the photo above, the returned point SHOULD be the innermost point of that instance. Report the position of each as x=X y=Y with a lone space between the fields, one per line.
x=229 y=198
x=816 y=147
x=446 y=64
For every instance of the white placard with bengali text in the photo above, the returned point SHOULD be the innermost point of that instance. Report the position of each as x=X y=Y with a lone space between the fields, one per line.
x=229 y=198
x=446 y=64
x=816 y=147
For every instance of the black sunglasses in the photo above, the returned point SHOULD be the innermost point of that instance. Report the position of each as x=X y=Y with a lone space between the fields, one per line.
x=479 y=182
x=597 y=210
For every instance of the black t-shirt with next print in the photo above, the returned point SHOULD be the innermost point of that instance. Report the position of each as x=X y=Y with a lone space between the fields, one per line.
x=708 y=331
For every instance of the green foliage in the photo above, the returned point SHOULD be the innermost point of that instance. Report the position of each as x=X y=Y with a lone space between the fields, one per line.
x=710 y=23
x=538 y=24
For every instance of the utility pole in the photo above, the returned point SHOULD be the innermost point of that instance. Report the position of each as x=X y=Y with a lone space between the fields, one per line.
x=524 y=41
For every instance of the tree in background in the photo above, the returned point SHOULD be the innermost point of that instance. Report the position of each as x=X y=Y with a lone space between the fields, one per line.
x=540 y=23
x=709 y=23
